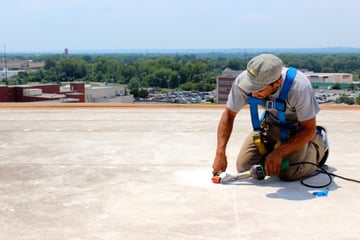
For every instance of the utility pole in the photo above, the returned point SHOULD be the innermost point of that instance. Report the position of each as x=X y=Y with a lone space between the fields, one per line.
x=5 y=66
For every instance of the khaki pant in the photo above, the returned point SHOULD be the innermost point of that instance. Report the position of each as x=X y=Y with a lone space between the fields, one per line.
x=311 y=152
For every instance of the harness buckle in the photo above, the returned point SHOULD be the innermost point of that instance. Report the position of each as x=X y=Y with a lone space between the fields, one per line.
x=269 y=104
x=278 y=104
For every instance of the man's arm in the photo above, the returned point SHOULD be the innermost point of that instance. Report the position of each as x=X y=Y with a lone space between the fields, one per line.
x=223 y=134
x=302 y=137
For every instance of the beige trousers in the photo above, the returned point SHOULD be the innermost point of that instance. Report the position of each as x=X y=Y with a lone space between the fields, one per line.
x=311 y=152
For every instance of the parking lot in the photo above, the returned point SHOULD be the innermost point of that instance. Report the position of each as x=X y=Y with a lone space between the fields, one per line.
x=331 y=95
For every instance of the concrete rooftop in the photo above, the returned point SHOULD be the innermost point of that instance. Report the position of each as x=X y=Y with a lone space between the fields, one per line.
x=135 y=172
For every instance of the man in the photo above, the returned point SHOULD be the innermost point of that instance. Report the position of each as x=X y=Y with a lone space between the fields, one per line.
x=303 y=141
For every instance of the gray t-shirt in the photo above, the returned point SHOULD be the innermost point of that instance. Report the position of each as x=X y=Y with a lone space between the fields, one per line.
x=301 y=103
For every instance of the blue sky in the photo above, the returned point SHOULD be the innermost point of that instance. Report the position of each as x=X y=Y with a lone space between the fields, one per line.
x=52 y=25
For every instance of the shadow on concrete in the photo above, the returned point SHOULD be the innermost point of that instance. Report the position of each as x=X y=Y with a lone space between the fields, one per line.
x=294 y=191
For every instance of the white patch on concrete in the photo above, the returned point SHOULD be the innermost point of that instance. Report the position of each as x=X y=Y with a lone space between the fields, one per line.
x=200 y=177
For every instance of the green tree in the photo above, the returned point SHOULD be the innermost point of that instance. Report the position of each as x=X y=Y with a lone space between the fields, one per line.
x=236 y=64
x=357 y=100
x=345 y=99
x=73 y=68
x=162 y=77
x=336 y=86
x=134 y=83
x=143 y=93
x=188 y=86
x=109 y=70
x=50 y=63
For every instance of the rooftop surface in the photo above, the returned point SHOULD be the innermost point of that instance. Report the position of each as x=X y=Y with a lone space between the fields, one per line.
x=135 y=172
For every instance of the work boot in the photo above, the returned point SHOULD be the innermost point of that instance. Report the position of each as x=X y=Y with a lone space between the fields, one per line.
x=322 y=133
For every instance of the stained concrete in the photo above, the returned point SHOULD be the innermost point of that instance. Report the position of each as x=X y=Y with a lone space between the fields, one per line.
x=138 y=172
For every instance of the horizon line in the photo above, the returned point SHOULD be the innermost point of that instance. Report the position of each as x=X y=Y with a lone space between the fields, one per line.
x=184 y=50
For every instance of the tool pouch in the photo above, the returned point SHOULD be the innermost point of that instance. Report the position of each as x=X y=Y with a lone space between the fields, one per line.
x=264 y=144
x=258 y=140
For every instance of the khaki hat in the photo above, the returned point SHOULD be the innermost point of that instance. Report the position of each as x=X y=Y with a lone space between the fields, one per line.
x=261 y=71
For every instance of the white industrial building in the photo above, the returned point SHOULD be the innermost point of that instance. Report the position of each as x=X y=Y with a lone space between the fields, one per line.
x=107 y=93
x=330 y=77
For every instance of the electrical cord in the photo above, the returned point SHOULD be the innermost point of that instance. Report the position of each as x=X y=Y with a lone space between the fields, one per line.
x=320 y=170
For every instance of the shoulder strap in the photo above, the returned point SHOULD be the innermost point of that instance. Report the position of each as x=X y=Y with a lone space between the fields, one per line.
x=290 y=75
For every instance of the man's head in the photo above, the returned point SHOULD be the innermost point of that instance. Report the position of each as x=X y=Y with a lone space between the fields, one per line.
x=262 y=70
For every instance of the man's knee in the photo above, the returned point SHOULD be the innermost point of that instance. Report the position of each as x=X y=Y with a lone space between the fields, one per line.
x=297 y=172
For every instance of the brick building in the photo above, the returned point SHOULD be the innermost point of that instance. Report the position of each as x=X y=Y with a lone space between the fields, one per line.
x=223 y=85
x=74 y=92
x=42 y=92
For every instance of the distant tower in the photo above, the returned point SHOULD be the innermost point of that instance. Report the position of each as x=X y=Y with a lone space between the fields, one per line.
x=66 y=53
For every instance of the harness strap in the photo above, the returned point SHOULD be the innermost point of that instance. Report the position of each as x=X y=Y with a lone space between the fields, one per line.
x=290 y=75
x=254 y=102
x=279 y=104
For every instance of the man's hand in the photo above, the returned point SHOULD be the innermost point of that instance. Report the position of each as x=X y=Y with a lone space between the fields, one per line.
x=272 y=163
x=220 y=164
x=274 y=159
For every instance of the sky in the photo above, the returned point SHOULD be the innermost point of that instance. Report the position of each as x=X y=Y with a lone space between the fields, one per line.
x=53 y=25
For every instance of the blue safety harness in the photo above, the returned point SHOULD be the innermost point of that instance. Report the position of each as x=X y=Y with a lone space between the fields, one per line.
x=279 y=104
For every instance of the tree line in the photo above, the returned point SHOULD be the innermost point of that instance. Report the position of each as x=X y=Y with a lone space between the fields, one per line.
x=170 y=71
